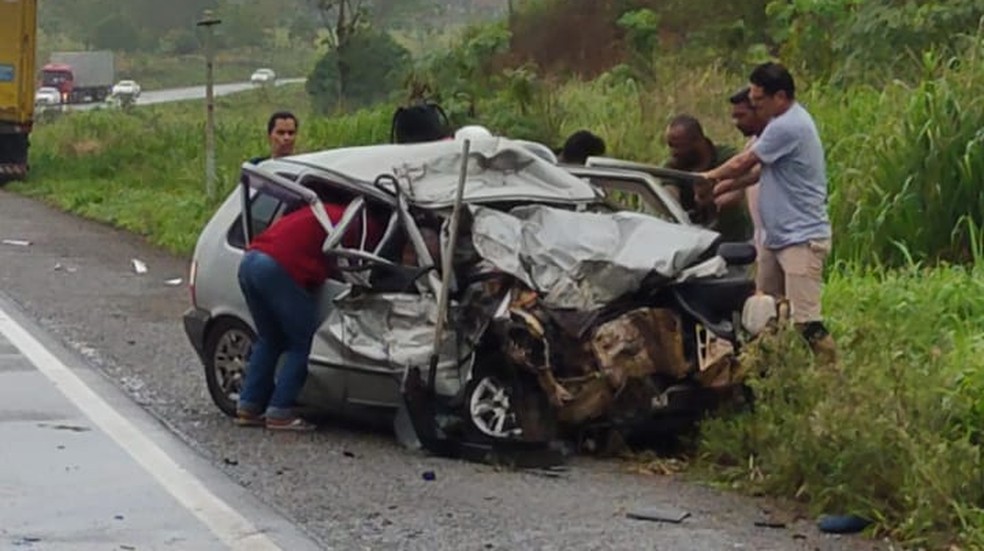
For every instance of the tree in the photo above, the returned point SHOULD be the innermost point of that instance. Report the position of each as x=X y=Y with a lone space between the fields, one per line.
x=116 y=32
x=374 y=64
x=344 y=18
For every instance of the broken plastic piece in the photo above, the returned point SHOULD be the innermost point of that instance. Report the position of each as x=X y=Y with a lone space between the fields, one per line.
x=139 y=266
x=17 y=242
x=842 y=524
x=429 y=476
x=174 y=282
x=659 y=514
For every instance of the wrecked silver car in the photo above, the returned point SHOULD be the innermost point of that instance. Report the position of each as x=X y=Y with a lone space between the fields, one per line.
x=509 y=299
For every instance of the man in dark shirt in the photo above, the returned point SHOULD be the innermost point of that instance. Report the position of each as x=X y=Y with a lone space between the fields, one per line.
x=282 y=135
x=691 y=150
x=282 y=269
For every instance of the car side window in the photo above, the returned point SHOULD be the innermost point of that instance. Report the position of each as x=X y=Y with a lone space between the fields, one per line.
x=263 y=209
x=634 y=195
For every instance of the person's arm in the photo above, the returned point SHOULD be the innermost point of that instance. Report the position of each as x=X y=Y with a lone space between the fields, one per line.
x=737 y=166
x=728 y=191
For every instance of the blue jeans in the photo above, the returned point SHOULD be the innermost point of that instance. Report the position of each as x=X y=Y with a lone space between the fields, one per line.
x=286 y=317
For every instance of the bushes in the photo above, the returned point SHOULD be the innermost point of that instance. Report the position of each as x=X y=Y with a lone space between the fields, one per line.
x=894 y=433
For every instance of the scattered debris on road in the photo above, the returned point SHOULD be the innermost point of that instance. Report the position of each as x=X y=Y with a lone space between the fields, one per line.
x=230 y=461
x=659 y=514
x=59 y=267
x=72 y=428
x=139 y=266
x=17 y=242
x=842 y=524
x=174 y=282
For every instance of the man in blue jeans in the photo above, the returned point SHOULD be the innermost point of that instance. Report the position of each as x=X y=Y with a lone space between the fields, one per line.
x=279 y=275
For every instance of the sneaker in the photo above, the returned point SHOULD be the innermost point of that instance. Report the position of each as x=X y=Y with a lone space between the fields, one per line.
x=294 y=424
x=248 y=419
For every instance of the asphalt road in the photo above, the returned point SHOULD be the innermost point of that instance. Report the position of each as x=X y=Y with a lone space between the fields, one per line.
x=198 y=92
x=150 y=97
x=347 y=487
x=87 y=469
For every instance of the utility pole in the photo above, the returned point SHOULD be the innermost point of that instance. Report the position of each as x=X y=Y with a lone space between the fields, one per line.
x=209 y=21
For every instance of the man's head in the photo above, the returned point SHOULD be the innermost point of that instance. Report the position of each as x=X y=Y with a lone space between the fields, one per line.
x=282 y=132
x=745 y=117
x=422 y=122
x=687 y=143
x=771 y=89
x=581 y=145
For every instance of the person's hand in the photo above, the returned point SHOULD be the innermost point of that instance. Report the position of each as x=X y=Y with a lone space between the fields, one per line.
x=703 y=193
x=729 y=199
x=723 y=187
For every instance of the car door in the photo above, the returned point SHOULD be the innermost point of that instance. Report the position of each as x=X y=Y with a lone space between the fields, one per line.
x=634 y=187
x=382 y=321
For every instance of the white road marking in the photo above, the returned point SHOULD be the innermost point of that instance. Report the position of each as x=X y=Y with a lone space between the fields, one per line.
x=228 y=525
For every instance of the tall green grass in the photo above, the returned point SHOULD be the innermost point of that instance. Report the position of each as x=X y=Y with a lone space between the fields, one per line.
x=894 y=434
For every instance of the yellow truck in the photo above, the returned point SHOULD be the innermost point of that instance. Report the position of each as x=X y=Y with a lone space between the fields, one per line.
x=18 y=43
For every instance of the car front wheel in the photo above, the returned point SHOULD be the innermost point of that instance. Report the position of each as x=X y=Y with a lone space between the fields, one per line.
x=226 y=351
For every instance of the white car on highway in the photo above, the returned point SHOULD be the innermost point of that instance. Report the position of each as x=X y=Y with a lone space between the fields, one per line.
x=263 y=76
x=126 y=87
x=47 y=95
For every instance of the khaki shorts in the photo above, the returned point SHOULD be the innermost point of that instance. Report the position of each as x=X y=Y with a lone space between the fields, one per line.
x=796 y=273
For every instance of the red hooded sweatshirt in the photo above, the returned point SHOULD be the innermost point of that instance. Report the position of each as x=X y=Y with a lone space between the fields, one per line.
x=295 y=242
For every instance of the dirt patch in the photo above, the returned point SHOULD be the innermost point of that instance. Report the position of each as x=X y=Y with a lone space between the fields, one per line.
x=83 y=148
x=570 y=37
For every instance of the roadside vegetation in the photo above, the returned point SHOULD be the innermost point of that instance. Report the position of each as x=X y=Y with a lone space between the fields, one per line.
x=894 y=434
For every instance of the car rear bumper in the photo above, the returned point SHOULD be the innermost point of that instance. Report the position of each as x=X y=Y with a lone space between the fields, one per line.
x=195 y=322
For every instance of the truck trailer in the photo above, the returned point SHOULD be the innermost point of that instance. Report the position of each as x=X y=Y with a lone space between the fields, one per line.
x=18 y=27
x=80 y=76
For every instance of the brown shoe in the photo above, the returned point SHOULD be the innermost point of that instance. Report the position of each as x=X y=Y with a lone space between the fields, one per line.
x=292 y=424
x=825 y=350
x=248 y=419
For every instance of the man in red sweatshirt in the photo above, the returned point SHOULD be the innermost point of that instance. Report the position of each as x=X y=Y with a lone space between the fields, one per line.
x=279 y=275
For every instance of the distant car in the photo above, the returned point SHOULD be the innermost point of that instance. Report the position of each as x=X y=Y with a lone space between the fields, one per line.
x=127 y=88
x=47 y=95
x=263 y=76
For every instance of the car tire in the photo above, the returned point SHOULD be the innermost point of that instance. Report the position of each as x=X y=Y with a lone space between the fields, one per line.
x=226 y=350
x=504 y=405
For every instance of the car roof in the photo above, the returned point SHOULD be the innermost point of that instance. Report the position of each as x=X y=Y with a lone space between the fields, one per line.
x=499 y=170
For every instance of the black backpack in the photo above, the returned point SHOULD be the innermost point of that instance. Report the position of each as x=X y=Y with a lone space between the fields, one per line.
x=420 y=122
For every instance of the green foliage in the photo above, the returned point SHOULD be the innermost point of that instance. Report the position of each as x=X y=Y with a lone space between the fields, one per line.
x=367 y=69
x=906 y=164
x=642 y=30
x=871 y=41
x=179 y=42
x=116 y=32
x=893 y=433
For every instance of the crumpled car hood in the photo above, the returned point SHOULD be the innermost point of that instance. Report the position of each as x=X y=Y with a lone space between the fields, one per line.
x=583 y=260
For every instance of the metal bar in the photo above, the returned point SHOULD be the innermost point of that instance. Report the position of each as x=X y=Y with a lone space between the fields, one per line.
x=447 y=257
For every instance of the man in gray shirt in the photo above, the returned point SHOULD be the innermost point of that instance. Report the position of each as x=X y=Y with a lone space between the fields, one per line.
x=792 y=201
